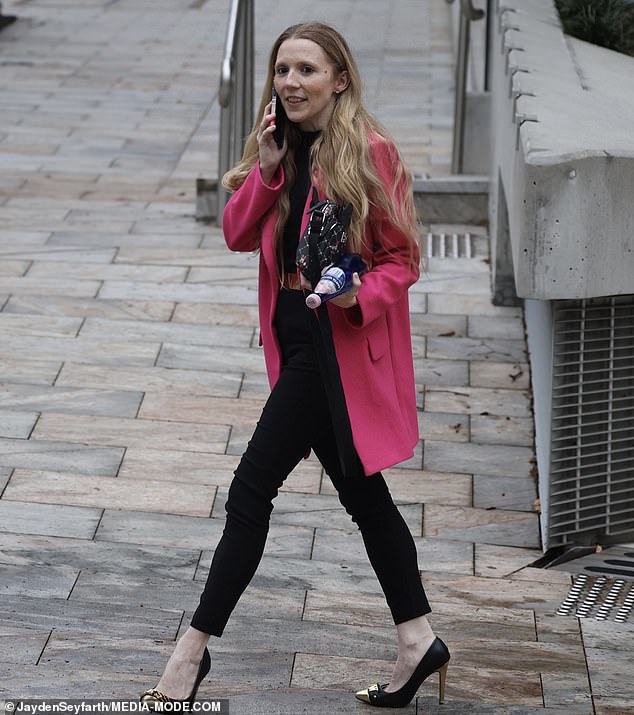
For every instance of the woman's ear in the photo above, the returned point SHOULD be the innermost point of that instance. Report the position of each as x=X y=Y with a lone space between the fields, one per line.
x=343 y=80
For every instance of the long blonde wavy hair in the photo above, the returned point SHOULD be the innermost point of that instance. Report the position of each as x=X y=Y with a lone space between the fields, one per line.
x=341 y=165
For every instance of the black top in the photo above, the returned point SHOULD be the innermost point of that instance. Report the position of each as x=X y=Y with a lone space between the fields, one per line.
x=297 y=196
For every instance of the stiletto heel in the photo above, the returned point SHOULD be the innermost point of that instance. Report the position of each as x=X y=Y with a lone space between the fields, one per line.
x=442 y=677
x=153 y=698
x=435 y=660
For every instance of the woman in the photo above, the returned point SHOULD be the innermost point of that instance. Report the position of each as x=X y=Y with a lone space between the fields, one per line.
x=333 y=144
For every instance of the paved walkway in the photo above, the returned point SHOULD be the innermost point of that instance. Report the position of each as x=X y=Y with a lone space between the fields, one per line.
x=130 y=379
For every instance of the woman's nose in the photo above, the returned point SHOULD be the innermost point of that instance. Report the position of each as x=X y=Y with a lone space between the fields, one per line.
x=292 y=78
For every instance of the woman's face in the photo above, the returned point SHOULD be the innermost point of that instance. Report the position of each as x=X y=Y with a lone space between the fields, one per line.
x=307 y=83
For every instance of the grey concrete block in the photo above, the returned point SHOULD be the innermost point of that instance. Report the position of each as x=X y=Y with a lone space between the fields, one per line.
x=48 y=519
x=38 y=581
x=512 y=493
x=16 y=424
x=497 y=460
x=74 y=458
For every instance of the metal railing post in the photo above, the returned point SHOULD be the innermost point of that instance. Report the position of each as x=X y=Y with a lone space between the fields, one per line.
x=467 y=14
x=235 y=94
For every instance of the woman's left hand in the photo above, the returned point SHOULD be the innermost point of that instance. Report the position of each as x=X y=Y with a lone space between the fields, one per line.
x=349 y=298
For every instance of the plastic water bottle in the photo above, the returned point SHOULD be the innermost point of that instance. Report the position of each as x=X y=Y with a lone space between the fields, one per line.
x=336 y=279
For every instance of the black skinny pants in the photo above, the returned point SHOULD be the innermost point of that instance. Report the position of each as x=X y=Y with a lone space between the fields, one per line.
x=295 y=419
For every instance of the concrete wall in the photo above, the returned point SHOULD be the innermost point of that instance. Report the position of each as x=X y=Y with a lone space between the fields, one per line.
x=562 y=123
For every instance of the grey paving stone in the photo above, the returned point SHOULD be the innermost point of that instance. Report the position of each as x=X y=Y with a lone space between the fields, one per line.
x=70 y=270
x=48 y=519
x=24 y=285
x=606 y=636
x=87 y=618
x=16 y=424
x=482 y=526
x=196 y=357
x=499 y=561
x=438 y=325
x=451 y=302
x=133 y=560
x=497 y=429
x=38 y=581
x=14 y=324
x=612 y=682
x=81 y=350
x=70 y=400
x=496 y=350
x=500 y=375
x=74 y=458
x=13 y=268
x=59 y=254
x=441 y=372
x=9 y=239
x=179 y=292
x=21 y=646
x=477 y=400
x=154 y=331
x=444 y=426
x=202 y=409
x=413 y=486
x=510 y=493
x=5 y=473
x=497 y=460
x=104 y=239
x=151 y=379
x=120 y=432
x=217 y=257
x=509 y=328
x=91 y=307
x=215 y=315
x=108 y=493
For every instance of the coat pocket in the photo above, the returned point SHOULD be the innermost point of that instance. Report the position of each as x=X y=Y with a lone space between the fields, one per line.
x=378 y=341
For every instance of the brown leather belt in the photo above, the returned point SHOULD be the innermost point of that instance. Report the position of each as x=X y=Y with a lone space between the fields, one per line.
x=291 y=282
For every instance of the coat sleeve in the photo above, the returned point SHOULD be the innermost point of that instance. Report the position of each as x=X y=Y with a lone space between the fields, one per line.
x=395 y=260
x=247 y=206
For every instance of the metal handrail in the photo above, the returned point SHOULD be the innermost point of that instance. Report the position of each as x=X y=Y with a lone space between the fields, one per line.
x=468 y=13
x=235 y=93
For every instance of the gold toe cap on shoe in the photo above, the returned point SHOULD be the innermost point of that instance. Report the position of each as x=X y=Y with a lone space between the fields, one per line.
x=152 y=698
x=366 y=695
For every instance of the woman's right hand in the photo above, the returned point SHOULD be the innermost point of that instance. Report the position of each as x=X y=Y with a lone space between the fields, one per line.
x=270 y=153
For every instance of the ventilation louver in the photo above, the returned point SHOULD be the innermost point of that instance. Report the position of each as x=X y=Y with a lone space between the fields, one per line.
x=592 y=442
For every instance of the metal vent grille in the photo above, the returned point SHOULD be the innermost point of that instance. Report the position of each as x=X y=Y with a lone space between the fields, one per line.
x=592 y=442
x=449 y=244
x=599 y=598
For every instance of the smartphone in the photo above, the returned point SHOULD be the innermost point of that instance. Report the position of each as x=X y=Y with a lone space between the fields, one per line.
x=277 y=108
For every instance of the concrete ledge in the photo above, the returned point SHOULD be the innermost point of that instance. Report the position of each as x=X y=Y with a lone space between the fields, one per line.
x=454 y=199
x=563 y=158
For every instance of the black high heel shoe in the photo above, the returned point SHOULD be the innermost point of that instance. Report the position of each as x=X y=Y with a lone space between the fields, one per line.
x=153 y=697
x=435 y=660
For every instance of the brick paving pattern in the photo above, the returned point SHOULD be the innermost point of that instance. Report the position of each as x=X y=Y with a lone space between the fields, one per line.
x=130 y=380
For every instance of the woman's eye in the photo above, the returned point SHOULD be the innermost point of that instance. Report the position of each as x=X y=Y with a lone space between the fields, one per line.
x=307 y=69
x=281 y=70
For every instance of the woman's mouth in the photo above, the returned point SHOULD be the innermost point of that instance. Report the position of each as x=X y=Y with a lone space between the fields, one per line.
x=294 y=101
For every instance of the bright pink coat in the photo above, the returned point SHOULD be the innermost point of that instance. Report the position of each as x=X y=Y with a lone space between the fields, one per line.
x=372 y=340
